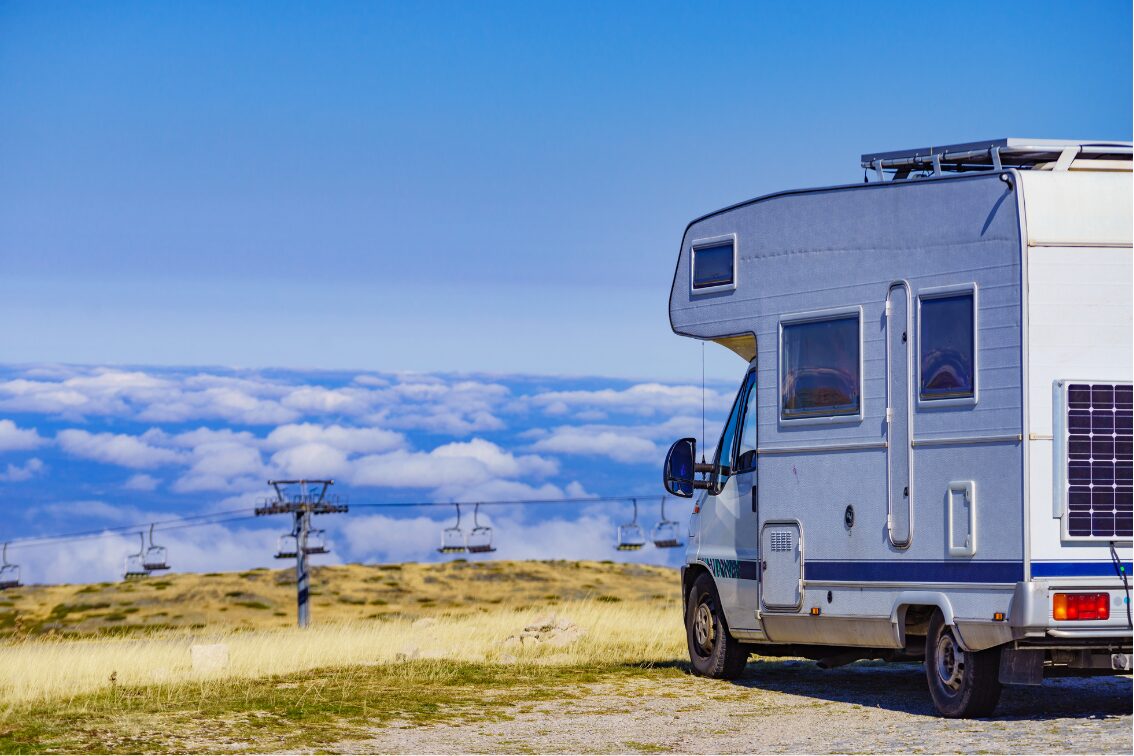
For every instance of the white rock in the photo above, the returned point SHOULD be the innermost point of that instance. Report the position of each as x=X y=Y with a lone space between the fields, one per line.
x=565 y=637
x=407 y=653
x=209 y=657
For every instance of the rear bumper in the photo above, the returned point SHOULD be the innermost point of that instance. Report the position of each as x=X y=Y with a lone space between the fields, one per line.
x=1031 y=620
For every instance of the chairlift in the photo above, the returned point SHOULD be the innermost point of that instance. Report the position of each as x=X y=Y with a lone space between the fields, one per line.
x=665 y=533
x=135 y=565
x=630 y=535
x=154 y=557
x=287 y=547
x=453 y=539
x=480 y=537
x=9 y=573
x=317 y=542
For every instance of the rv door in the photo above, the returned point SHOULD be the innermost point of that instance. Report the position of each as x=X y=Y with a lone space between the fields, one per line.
x=899 y=511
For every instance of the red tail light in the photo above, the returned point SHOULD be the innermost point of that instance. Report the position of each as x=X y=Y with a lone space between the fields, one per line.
x=1081 y=606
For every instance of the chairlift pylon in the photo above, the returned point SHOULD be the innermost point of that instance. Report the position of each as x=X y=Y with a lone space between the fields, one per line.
x=630 y=535
x=453 y=538
x=134 y=566
x=154 y=557
x=480 y=537
x=665 y=533
x=9 y=573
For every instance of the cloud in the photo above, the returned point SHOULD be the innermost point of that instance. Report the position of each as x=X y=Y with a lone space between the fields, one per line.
x=641 y=399
x=311 y=460
x=14 y=438
x=360 y=440
x=222 y=465
x=325 y=401
x=431 y=404
x=18 y=473
x=116 y=449
x=212 y=548
x=590 y=535
x=621 y=447
x=141 y=482
x=458 y=465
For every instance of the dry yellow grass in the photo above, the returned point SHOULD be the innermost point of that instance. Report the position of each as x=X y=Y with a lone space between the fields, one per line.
x=261 y=599
x=626 y=615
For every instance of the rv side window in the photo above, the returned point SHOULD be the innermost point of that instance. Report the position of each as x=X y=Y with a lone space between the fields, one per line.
x=947 y=346
x=819 y=367
x=714 y=264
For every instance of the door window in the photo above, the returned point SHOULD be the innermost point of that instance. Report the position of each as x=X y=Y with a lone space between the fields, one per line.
x=723 y=462
x=746 y=449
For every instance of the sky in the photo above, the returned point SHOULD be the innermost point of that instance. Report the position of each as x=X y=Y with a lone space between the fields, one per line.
x=220 y=204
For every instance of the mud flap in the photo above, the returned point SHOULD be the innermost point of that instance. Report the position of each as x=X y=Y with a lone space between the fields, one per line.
x=1021 y=666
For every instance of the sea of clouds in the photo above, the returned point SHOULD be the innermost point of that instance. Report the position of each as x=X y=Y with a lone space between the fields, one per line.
x=91 y=447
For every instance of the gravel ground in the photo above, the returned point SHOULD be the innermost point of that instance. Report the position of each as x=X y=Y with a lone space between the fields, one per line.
x=787 y=707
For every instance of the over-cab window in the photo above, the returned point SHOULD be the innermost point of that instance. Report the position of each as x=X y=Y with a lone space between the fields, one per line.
x=947 y=345
x=820 y=367
x=714 y=264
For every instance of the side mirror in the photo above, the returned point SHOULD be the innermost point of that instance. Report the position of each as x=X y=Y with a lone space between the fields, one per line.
x=677 y=476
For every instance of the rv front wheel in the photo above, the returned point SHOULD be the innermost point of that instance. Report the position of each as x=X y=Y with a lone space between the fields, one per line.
x=712 y=651
x=962 y=683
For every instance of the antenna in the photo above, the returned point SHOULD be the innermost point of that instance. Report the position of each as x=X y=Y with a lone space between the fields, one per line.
x=702 y=402
x=309 y=497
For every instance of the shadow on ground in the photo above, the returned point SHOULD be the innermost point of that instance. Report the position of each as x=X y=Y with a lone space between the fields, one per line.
x=902 y=687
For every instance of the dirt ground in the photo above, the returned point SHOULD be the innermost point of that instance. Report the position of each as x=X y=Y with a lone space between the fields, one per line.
x=786 y=707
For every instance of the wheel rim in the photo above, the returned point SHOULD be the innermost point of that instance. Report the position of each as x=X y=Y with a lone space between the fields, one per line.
x=703 y=630
x=950 y=662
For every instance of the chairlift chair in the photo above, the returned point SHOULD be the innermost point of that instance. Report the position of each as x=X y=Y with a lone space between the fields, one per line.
x=317 y=542
x=9 y=573
x=287 y=547
x=665 y=533
x=135 y=564
x=480 y=537
x=154 y=557
x=453 y=538
x=630 y=535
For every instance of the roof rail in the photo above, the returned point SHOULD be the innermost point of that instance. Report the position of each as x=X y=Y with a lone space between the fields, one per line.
x=992 y=155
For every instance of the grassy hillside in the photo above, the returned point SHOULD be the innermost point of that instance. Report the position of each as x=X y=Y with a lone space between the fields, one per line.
x=264 y=599
x=112 y=667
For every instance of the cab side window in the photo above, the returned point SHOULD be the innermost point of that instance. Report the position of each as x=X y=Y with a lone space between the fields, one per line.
x=746 y=449
x=723 y=462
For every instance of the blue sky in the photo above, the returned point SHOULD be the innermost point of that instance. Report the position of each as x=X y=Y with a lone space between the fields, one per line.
x=494 y=190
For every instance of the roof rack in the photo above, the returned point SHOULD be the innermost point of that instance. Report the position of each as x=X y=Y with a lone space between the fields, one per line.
x=995 y=155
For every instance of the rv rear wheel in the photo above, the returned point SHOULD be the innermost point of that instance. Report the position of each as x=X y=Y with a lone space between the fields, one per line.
x=962 y=683
x=712 y=651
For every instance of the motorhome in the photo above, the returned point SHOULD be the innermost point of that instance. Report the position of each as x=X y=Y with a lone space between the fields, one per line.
x=929 y=455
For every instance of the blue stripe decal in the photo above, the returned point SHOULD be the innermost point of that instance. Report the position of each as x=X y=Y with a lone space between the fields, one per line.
x=908 y=571
x=1077 y=569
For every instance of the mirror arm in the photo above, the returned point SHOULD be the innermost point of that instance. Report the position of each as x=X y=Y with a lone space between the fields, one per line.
x=702 y=467
x=701 y=485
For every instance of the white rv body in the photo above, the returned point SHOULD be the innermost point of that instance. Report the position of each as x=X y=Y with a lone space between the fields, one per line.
x=850 y=527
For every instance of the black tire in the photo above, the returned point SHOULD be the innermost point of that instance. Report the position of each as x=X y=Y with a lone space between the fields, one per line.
x=712 y=651
x=963 y=684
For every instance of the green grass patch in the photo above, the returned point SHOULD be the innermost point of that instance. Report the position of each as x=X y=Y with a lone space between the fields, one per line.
x=253 y=604
x=305 y=711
